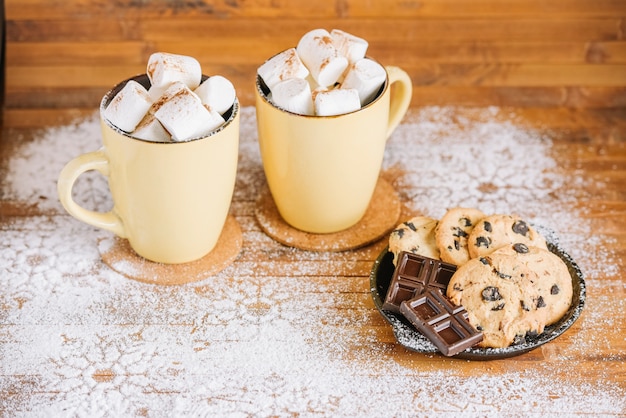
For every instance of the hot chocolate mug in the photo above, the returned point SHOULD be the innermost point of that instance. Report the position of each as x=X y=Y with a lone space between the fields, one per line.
x=322 y=170
x=170 y=199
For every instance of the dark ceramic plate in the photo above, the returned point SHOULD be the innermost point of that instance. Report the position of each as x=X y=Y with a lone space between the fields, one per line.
x=409 y=337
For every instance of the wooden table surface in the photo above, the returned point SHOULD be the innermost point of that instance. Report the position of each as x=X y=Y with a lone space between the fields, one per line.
x=288 y=332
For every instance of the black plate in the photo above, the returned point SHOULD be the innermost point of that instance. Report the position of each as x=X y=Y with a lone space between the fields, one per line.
x=409 y=337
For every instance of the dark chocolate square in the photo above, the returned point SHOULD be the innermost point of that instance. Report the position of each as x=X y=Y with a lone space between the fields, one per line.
x=443 y=323
x=413 y=275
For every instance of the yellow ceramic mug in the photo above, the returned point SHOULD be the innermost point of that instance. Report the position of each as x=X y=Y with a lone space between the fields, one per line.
x=322 y=170
x=170 y=199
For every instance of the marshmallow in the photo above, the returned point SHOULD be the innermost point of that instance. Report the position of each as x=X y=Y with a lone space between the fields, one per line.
x=348 y=45
x=166 y=94
x=216 y=119
x=216 y=92
x=164 y=68
x=321 y=57
x=312 y=83
x=281 y=67
x=150 y=129
x=336 y=102
x=366 y=76
x=129 y=106
x=156 y=92
x=293 y=95
x=185 y=117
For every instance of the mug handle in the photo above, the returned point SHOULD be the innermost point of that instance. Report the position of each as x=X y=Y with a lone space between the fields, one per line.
x=400 y=97
x=98 y=161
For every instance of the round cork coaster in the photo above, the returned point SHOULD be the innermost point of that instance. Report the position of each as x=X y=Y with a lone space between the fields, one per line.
x=117 y=254
x=380 y=218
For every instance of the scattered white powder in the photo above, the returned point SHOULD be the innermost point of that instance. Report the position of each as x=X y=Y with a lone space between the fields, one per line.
x=491 y=163
x=77 y=339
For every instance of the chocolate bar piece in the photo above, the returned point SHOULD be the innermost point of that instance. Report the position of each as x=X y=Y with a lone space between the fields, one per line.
x=413 y=275
x=443 y=323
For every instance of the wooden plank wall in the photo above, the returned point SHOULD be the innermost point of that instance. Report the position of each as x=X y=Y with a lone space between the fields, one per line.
x=67 y=53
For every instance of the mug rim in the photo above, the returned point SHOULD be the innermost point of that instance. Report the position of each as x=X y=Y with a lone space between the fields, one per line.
x=260 y=86
x=144 y=80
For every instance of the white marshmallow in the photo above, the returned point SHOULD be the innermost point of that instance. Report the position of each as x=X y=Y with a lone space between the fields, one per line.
x=184 y=116
x=282 y=66
x=348 y=45
x=312 y=83
x=151 y=129
x=293 y=95
x=216 y=120
x=366 y=76
x=321 y=57
x=156 y=92
x=216 y=92
x=164 y=68
x=129 y=106
x=166 y=93
x=336 y=102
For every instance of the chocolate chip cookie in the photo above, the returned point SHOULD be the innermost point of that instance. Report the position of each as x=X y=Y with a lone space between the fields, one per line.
x=417 y=236
x=453 y=231
x=495 y=231
x=554 y=283
x=500 y=298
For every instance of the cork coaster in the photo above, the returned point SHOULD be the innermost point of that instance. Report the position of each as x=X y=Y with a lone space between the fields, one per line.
x=380 y=218
x=117 y=254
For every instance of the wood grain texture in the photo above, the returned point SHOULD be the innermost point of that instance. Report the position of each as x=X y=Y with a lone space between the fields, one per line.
x=518 y=53
x=588 y=147
x=559 y=66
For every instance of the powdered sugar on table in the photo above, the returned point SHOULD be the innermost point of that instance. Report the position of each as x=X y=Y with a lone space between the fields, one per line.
x=78 y=339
